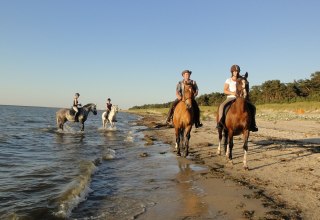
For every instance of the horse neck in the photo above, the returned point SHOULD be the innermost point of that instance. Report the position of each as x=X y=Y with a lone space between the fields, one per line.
x=86 y=110
x=112 y=111
x=241 y=104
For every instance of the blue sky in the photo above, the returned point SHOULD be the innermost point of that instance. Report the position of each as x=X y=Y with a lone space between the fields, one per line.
x=134 y=51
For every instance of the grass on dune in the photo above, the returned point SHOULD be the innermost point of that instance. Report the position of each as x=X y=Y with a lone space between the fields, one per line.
x=206 y=111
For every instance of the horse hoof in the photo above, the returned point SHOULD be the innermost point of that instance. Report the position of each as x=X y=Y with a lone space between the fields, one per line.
x=218 y=153
x=179 y=154
x=245 y=167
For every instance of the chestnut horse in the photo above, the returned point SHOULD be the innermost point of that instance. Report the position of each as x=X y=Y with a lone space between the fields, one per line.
x=237 y=120
x=183 y=120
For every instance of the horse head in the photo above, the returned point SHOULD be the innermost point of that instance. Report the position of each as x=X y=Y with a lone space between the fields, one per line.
x=188 y=95
x=91 y=107
x=242 y=86
x=115 y=108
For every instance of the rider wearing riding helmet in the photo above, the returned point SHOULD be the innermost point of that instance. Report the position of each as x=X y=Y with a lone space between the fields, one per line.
x=230 y=90
x=76 y=105
x=179 y=93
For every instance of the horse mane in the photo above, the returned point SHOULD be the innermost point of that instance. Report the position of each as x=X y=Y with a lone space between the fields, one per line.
x=87 y=105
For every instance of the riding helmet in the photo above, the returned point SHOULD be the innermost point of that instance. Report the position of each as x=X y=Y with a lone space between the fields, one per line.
x=235 y=68
x=186 y=71
x=109 y=99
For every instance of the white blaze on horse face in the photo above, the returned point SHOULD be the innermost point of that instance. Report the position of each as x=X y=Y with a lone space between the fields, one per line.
x=244 y=88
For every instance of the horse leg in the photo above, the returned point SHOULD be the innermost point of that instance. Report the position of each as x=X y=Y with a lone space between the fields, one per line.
x=177 y=141
x=245 y=148
x=82 y=126
x=186 y=140
x=220 y=139
x=181 y=138
x=61 y=126
x=229 y=146
x=225 y=142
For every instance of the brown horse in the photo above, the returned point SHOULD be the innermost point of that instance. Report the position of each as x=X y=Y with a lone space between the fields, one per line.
x=237 y=120
x=183 y=120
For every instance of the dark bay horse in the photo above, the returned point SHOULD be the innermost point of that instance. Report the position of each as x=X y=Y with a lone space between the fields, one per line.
x=64 y=115
x=183 y=120
x=237 y=120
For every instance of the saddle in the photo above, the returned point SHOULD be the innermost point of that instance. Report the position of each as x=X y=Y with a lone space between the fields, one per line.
x=73 y=113
x=226 y=109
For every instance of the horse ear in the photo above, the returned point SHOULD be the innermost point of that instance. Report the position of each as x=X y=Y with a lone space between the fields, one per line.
x=246 y=75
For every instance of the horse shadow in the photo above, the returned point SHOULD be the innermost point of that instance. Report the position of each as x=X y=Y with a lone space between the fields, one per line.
x=285 y=151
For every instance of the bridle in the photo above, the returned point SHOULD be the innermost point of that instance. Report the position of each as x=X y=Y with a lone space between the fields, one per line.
x=243 y=93
x=184 y=99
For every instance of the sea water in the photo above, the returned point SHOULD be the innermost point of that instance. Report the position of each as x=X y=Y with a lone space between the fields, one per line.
x=47 y=173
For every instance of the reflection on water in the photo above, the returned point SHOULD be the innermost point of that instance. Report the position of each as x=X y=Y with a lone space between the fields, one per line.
x=191 y=203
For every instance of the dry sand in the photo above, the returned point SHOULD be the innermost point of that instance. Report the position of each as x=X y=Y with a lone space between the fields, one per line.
x=283 y=180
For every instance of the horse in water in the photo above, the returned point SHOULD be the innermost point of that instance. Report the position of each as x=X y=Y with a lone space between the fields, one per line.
x=237 y=120
x=183 y=119
x=64 y=115
x=111 y=117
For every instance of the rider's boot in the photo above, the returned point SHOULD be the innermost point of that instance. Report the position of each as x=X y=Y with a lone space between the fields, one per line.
x=169 y=118
x=253 y=127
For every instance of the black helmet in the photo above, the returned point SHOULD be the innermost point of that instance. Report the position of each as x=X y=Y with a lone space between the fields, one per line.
x=109 y=99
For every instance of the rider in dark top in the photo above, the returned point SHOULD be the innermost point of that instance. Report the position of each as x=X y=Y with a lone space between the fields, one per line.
x=109 y=105
x=76 y=105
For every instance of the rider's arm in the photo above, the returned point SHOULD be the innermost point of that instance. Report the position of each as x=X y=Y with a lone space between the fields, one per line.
x=227 y=91
x=195 y=86
x=178 y=89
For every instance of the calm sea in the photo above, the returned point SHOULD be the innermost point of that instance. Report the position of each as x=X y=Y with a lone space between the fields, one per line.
x=96 y=174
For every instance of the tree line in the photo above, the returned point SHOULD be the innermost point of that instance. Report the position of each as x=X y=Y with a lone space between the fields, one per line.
x=271 y=91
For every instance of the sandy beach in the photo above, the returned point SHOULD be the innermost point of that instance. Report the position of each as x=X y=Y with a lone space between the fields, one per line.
x=282 y=181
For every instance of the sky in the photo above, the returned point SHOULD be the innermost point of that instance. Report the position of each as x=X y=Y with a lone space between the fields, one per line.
x=134 y=51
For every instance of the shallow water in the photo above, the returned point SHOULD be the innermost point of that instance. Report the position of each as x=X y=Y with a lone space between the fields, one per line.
x=47 y=173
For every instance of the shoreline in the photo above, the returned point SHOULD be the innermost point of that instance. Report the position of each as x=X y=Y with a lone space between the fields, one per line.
x=283 y=169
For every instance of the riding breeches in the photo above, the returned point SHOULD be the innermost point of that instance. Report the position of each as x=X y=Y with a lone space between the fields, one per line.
x=75 y=109
x=223 y=104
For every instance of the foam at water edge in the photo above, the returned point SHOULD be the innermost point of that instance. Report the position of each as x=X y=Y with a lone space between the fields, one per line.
x=77 y=192
x=111 y=154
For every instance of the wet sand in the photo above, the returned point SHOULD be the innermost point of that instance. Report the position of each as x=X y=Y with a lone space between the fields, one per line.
x=282 y=181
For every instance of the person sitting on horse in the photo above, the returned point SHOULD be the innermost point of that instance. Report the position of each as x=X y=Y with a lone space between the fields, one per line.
x=230 y=90
x=76 y=105
x=108 y=108
x=186 y=79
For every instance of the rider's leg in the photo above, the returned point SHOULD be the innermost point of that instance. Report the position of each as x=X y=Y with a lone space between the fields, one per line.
x=171 y=110
x=222 y=113
x=253 y=126
x=195 y=106
x=76 y=114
